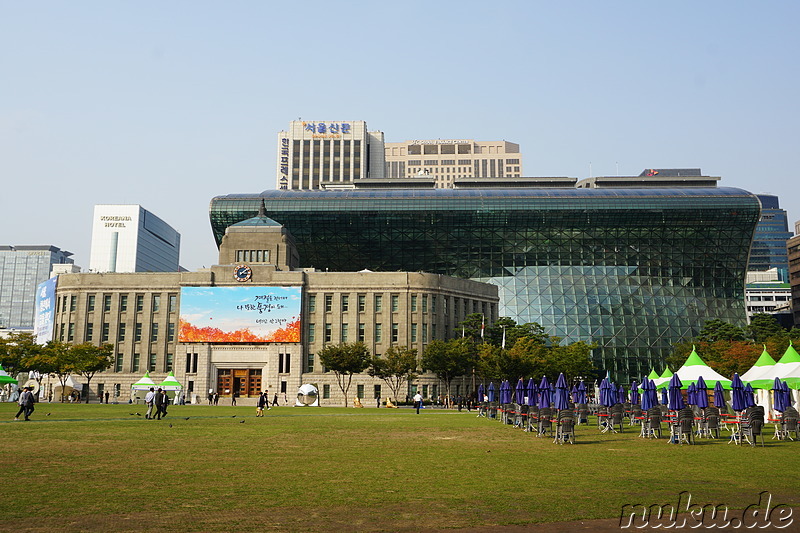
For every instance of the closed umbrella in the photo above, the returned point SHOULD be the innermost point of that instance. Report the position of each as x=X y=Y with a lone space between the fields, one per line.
x=581 y=393
x=531 y=392
x=480 y=392
x=574 y=393
x=491 y=392
x=701 y=393
x=675 y=396
x=738 y=401
x=777 y=398
x=719 y=396
x=647 y=400
x=544 y=393
x=561 y=398
x=635 y=397
x=520 y=399
x=606 y=394
x=664 y=397
x=622 y=397
x=690 y=393
x=748 y=395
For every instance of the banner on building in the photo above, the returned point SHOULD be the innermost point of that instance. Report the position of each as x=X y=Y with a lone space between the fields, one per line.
x=240 y=314
x=45 y=311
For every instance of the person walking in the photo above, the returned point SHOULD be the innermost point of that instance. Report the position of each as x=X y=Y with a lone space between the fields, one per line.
x=149 y=400
x=159 y=401
x=418 y=401
x=25 y=404
x=262 y=401
x=275 y=399
x=233 y=398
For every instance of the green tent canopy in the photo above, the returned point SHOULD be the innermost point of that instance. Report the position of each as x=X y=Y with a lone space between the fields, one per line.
x=694 y=367
x=5 y=378
x=145 y=383
x=663 y=381
x=757 y=375
x=170 y=383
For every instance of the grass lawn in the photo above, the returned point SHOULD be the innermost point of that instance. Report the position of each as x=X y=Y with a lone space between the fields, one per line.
x=100 y=467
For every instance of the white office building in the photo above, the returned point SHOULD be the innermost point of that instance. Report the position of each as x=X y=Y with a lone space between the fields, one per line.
x=129 y=238
x=319 y=154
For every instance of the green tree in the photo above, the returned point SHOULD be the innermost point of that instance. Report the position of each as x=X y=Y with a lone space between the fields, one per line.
x=763 y=327
x=513 y=332
x=90 y=359
x=471 y=327
x=450 y=359
x=59 y=357
x=15 y=351
x=395 y=367
x=345 y=360
x=719 y=330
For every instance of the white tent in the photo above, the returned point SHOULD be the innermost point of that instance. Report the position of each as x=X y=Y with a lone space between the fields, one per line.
x=694 y=367
x=140 y=388
x=69 y=386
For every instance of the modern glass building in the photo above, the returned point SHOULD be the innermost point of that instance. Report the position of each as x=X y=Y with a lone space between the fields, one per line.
x=634 y=270
x=769 y=243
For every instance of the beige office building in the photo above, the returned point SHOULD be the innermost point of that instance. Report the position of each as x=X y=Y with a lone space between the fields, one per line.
x=141 y=315
x=315 y=154
x=448 y=159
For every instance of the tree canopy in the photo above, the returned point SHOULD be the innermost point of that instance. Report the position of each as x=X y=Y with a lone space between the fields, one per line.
x=396 y=367
x=344 y=360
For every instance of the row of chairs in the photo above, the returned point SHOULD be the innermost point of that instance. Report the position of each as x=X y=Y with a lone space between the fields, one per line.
x=559 y=424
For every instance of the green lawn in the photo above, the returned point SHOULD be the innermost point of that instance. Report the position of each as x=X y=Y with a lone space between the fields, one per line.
x=322 y=469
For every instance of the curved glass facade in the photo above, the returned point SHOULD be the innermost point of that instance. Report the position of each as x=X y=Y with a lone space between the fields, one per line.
x=634 y=270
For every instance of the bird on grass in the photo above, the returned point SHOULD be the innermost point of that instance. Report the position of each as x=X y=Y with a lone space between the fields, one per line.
x=170 y=425
x=241 y=421
x=233 y=416
x=48 y=414
x=138 y=414
x=187 y=418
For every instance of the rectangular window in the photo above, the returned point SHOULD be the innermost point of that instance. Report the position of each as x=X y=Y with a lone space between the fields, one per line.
x=312 y=333
x=395 y=303
x=312 y=303
x=362 y=303
x=194 y=363
x=71 y=332
x=361 y=332
x=156 y=303
x=168 y=362
x=137 y=335
x=424 y=303
x=287 y=366
x=344 y=332
x=328 y=303
x=425 y=391
x=123 y=302
x=345 y=303
x=107 y=303
x=328 y=332
x=310 y=362
x=89 y=331
x=188 y=363
x=139 y=303
x=433 y=304
x=378 y=333
x=360 y=391
x=280 y=363
x=153 y=332
x=151 y=364
x=171 y=332
x=118 y=363
x=378 y=303
x=135 y=362
x=395 y=332
x=73 y=302
x=106 y=328
x=173 y=303
x=121 y=332
x=61 y=330
x=326 y=391
x=376 y=391
x=424 y=332
x=90 y=303
x=413 y=302
x=413 y=332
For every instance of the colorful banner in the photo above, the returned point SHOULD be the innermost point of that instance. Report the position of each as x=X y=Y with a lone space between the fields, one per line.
x=240 y=314
x=45 y=311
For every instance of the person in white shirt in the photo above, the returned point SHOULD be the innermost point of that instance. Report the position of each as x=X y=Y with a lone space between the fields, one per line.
x=149 y=399
x=418 y=401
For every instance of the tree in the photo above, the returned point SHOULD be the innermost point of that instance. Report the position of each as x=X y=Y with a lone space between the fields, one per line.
x=395 y=368
x=719 y=330
x=508 y=328
x=90 y=359
x=345 y=360
x=763 y=327
x=15 y=350
x=60 y=358
x=450 y=359
x=471 y=327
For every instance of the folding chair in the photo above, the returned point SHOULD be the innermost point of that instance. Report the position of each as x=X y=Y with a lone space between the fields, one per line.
x=545 y=425
x=789 y=420
x=565 y=427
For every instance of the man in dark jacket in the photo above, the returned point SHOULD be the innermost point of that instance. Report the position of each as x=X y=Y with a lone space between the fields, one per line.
x=160 y=401
x=25 y=404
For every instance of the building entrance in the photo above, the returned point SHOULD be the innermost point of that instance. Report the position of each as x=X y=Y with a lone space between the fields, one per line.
x=243 y=381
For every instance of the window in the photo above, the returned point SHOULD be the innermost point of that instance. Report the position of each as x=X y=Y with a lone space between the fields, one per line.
x=362 y=303
x=121 y=332
x=156 y=303
x=107 y=303
x=424 y=332
x=135 y=362
x=106 y=327
x=424 y=303
x=344 y=332
x=137 y=335
x=151 y=364
x=395 y=303
x=310 y=362
x=464 y=161
x=328 y=332
x=61 y=330
x=153 y=332
x=413 y=302
x=430 y=149
x=345 y=303
x=118 y=363
x=73 y=302
x=447 y=148
x=169 y=360
x=433 y=304
x=414 y=149
x=312 y=333
x=395 y=332
x=139 y=302
x=376 y=391
x=328 y=303
x=71 y=331
x=464 y=149
x=326 y=391
x=171 y=332
x=173 y=303
x=361 y=332
x=414 y=162
x=89 y=332
x=312 y=303
x=378 y=332
x=378 y=303
x=90 y=303
x=448 y=162
x=123 y=302
x=360 y=390
x=413 y=332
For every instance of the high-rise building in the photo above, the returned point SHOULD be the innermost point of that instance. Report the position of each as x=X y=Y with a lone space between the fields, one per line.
x=769 y=243
x=446 y=160
x=129 y=238
x=22 y=268
x=315 y=155
x=793 y=250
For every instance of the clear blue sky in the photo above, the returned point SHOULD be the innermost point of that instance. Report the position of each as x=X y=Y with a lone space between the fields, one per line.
x=167 y=104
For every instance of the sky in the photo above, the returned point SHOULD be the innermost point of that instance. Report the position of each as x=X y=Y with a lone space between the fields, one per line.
x=168 y=104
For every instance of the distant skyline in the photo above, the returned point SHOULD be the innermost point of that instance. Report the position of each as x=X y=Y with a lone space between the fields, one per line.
x=167 y=105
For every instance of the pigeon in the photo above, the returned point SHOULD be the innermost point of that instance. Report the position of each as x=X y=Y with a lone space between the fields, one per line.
x=233 y=416
x=241 y=421
x=187 y=418
x=170 y=425
x=48 y=414
x=138 y=414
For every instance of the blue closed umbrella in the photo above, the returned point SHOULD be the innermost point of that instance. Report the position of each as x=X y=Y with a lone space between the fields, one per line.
x=690 y=394
x=561 y=398
x=606 y=393
x=531 y=392
x=787 y=397
x=748 y=396
x=647 y=400
x=777 y=398
x=738 y=400
x=581 y=393
x=621 y=396
x=664 y=397
x=675 y=396
x=480 y=392
x=635 y=399
x=544 y=393
x=719 y=396
x=701 y=393
x=490 y=394
x=520 y=399
x=653 y=393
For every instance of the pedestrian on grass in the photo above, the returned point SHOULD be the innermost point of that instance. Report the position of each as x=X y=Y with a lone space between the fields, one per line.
x=159 y=401
x=149 y=400
x=262 y=401
x=233 y=398
x=106 y=395
x=275 y=399
x=25 y=404
x=216 y=398
x=418 y=401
